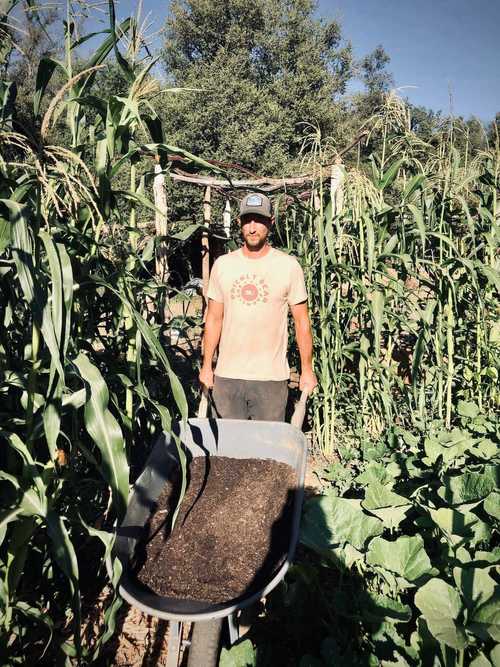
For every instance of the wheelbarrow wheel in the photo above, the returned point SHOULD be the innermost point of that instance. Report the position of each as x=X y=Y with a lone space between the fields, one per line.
x=205 y=639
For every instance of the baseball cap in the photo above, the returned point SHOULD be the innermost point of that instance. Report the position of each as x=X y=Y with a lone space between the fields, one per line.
x=254 y=202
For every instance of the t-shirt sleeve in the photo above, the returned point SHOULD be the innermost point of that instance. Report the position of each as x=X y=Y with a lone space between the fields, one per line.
x=214 y=286
x=297 y=291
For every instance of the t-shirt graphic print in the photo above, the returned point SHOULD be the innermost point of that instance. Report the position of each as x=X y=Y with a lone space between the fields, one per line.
x=249 y=289
x=256 y=294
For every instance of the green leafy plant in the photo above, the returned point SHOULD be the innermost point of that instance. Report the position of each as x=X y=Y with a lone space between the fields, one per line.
x=419 y=541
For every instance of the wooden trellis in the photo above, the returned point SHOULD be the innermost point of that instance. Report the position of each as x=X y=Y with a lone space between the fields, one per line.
x=332 y=172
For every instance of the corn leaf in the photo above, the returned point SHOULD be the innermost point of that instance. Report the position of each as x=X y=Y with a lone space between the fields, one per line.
x=105 y=432
x=390 y=174
x=65 y=556
x=419 y=222
x=46 y=68
x=413 y=185
x=4 y=234
x=98 y=57
x=110 y=614
x=17 y=551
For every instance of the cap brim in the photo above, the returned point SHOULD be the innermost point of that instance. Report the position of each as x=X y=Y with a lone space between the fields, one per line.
x=256 y=211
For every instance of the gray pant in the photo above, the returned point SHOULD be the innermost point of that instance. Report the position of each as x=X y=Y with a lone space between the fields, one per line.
x=250 y=399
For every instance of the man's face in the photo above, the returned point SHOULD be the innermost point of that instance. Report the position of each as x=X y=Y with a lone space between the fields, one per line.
x=255 y=230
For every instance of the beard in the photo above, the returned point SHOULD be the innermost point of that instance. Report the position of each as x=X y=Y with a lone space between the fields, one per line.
x=255 y=241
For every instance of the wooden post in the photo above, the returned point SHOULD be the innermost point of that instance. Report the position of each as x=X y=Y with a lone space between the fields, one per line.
x=161 y=223
x=316 y=200
x=226 y=219
x=337 y=187
x=205 y=250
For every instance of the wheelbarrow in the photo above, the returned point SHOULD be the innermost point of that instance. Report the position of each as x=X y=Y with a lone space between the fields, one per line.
x=233 y=438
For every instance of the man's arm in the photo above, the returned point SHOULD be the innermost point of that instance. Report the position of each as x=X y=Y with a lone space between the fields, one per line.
x=211 y=337
x=305 y=344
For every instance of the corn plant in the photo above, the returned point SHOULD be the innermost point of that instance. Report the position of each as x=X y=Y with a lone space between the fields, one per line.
x=85 y=380
x=402 y=284
x=403 y=292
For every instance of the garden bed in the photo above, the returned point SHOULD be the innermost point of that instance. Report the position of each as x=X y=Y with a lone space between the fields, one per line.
x=231 y=535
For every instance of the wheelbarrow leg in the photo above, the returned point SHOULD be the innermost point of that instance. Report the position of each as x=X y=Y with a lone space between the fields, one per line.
x=205 y=639
x=174 y=643
x=240 y=623
x=234 y=630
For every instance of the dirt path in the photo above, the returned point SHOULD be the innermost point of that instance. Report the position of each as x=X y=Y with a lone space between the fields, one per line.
x=141 y=640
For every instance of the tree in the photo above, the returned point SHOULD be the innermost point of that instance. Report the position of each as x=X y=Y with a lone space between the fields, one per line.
x=374 y=73
x=26 y=38
x=425 y=122
x=494 y=130
x=264 y=71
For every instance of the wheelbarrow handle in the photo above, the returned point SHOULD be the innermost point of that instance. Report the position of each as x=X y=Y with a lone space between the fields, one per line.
x=203 y=408
x=300 y=411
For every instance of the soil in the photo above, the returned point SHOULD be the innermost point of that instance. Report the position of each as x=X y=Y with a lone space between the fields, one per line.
x=231 y=535
x=140 y=641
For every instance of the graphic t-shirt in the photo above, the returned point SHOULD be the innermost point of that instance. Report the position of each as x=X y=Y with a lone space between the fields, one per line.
x=256 y=294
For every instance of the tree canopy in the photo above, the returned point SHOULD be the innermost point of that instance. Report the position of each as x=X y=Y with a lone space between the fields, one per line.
x=264 y=73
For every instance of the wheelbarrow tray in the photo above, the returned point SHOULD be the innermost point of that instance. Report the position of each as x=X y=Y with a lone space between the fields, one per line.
x=233 y=438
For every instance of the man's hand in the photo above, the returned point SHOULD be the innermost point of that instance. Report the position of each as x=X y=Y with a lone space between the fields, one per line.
x=305 y=344
x=211 y=336
x=206 y=377
x=307 y=381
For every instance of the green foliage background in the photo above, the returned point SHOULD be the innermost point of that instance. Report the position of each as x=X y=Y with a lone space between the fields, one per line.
x=401 y=564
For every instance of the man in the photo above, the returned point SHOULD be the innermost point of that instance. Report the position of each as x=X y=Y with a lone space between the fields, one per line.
x=249 y=293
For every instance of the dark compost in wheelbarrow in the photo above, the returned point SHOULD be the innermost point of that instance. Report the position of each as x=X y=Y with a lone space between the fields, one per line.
x=231 y=535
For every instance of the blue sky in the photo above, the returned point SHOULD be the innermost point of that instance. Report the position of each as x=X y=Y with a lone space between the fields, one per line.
x=438 y=48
